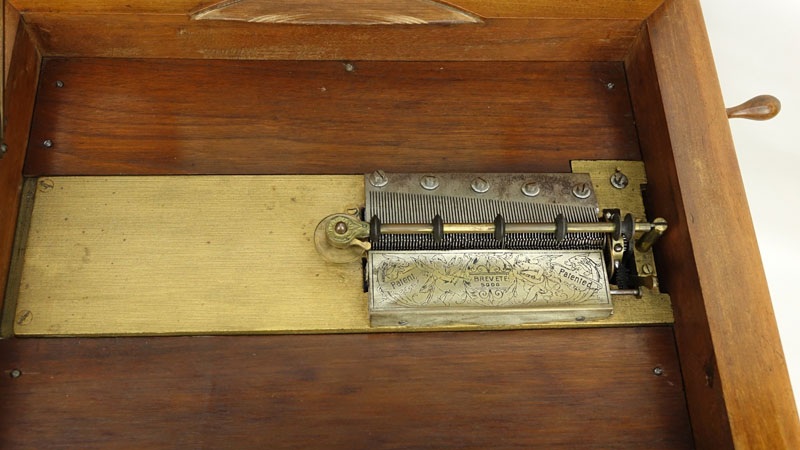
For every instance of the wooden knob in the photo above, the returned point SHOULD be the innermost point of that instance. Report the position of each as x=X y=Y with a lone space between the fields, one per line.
x=763 y=107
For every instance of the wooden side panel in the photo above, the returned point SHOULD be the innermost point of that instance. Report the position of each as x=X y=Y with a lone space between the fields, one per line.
x=23 y=75
x=736 y=380
x=609 y=9
x=223 y=117
x=11 y=23
x=177 y=36
x=550 y=389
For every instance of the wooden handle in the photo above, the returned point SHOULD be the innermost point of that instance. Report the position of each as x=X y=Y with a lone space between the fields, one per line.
x=763 y=107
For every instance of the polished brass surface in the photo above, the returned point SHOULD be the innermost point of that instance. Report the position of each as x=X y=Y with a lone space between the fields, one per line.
x=628 y=199
x=225 y=255
x=646 y=241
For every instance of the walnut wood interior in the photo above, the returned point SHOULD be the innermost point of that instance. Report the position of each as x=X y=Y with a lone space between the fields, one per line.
x=550 y=388
x=117 y=116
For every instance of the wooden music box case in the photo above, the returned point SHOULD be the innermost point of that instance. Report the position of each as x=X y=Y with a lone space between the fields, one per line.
x=378 y=224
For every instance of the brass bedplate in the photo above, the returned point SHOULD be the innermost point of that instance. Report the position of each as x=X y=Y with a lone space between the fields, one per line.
x=237 y=255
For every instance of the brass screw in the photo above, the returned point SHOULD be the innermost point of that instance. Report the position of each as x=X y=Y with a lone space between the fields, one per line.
x=46 y=185
x=619 y=180
x=647 y=269
x=25 y=317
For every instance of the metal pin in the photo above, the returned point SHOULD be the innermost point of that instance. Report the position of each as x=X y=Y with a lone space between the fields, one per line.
x=635 y=292
x=647 y=240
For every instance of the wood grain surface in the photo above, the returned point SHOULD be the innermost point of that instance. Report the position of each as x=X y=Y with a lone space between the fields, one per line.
x=737 y=385
x=223 y=117
x=629 y=9
x=343 y=12
x=11 y=24
x=177 y=36
x=761 y=107
x=23 y=74
x=546 y=388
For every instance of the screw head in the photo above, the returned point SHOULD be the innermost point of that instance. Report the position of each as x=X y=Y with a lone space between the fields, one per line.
x=617 y=248
x=581 y=190
x=349 y=67
x=531 y=189
x=647 y=269
x=3 y=149
x=429 y=182
x=47 y=143
x=658 y=371
x=46 y=185
x=480 y=185
x=610 y=86
x=619 y=180
x=15 y=373
x=340 y=228
x=378 y=179
x=59 y=84
x=580 y=318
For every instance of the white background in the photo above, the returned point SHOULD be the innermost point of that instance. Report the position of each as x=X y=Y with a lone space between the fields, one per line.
x=756 y=47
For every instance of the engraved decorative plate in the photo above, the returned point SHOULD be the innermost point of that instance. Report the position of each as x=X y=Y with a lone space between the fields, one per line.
x=486 y=287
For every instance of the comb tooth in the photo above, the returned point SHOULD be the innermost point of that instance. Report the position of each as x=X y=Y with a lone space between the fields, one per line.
x=398 y=207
